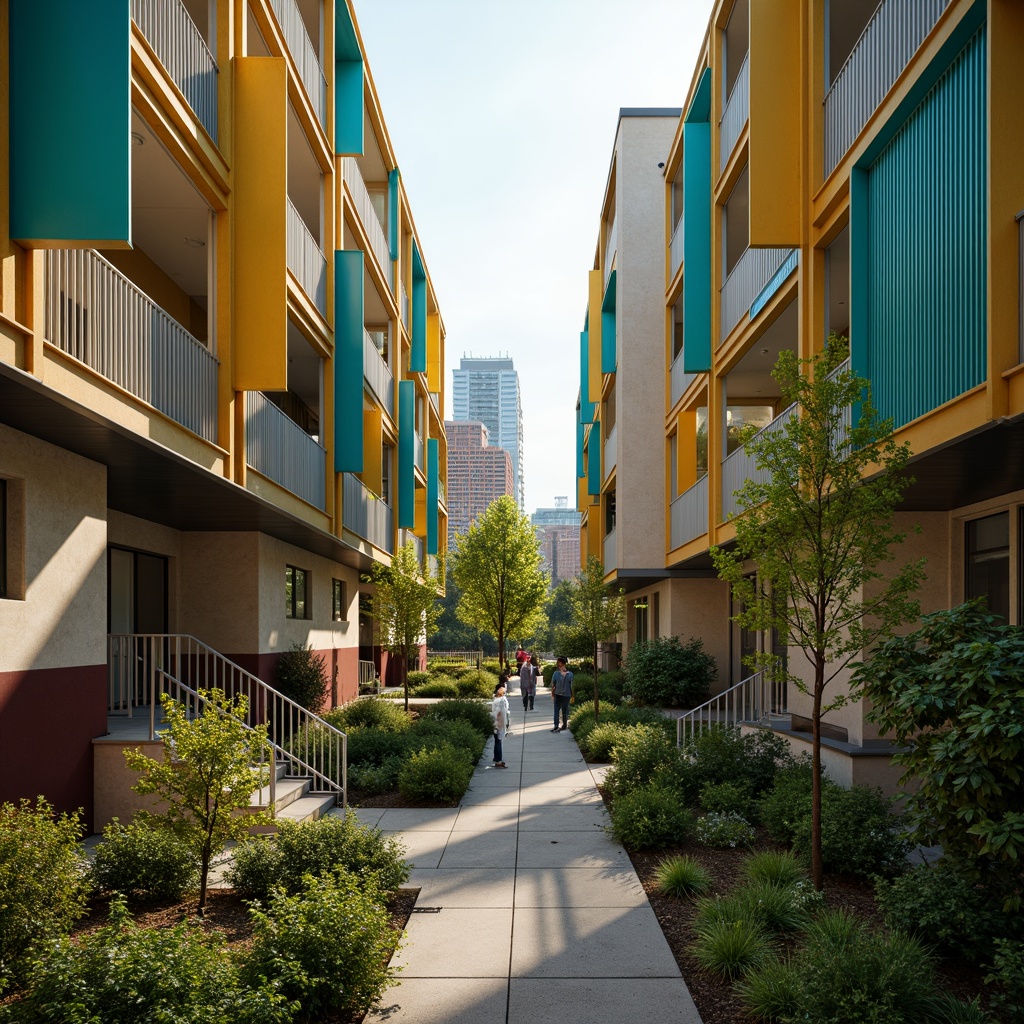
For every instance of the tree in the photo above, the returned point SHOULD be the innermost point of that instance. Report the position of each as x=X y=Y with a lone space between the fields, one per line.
x=497 y=566
x=452 y=635
x=820 y=529
x=207 y=776
x=952 y=694
x=599 y=611
x=404 y=607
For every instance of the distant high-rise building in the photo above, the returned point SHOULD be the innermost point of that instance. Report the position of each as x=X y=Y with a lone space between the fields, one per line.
x=558 y=531
x=477 y=475
x=487 y=390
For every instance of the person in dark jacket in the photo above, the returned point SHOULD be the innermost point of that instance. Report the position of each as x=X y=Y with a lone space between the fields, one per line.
x=561 y=690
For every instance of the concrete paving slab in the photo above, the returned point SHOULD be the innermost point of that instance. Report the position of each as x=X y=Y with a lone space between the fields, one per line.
x=569 y=849
x=487 y=818
x=442 y=1001
x=584 y=1000
x=368 y=816
x=494 y=796
x=419 y=819
x=480 y=850
x=558 y=796
x=422 y=849
x=496 y=779
x=590 y=942
x=565 y=776
x=458 y=943
x=466 y=888
x=598 y=772
x=574 y=818
x=578 y=887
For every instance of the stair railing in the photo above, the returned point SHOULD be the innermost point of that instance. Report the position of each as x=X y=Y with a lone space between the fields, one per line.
x=752 y=699
x=138 y=664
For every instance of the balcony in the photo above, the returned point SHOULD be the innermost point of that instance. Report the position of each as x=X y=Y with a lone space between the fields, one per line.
x=442 y=492
x=306 y=259
x=377 y=375
x=405 y=304
x=750 y=276
x=888 y=42
x=610 y=451
x=675 y=249
x=610 y=248
x=417 y=451
x=304 y=55
x=611 y=555
x=736 y=113
x=279 y=449
x=680 y=379
x=688 y=514
x=96 y=315
x=368 y=215
x=432 y=565
x=181 y=49
x=367 y=515
x=408 y=537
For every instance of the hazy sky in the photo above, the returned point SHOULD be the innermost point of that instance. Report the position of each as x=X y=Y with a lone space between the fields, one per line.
x=502 y=116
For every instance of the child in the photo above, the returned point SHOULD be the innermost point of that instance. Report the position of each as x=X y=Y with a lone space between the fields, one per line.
x=500 y=716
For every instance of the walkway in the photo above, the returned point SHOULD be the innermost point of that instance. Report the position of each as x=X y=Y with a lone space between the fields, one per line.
x=528 y=913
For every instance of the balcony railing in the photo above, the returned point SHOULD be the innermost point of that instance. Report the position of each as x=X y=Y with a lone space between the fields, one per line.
x=611 y=554
x=368 y=215
x=300 y=46
x=442 y=492
x=408 y=537
x=366 y=515
x=306 y=259
x=417 y=450
x=182 y=50
x=405 y=304
x=97 y=316
x=432 y=565
x=282 y=451
x=675 y=249
x=680 y=379
x=688 y=513
x=886 y=45
x=610 y=451
x=736 y=113
x=377 y=374
x=752 y=272
x=611 y=246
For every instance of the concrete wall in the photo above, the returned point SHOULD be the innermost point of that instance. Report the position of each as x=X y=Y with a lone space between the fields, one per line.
x=700 y=608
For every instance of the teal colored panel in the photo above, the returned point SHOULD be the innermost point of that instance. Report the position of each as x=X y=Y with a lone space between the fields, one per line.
x=418 y=351
x=348 y=361
x=697 y=246
x=406 y=454
x=586 y=407
x=609 y=362
x=926 y=231
x=346 y=43
x=70 y=121
x=700 y=106
x=433 y=468
x=860 y=271
x=580 y=430
x=348 y=107
x=594 y=461
x=393 y=178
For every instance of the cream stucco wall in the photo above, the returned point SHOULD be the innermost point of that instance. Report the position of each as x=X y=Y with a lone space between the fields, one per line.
x=700 y=608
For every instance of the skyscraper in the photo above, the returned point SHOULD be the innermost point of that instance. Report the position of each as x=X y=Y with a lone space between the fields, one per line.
x=478 y=474
x=558 y=533
x=487 y=389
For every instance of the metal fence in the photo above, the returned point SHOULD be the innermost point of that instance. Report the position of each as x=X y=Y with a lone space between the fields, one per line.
x=300 y=46
x=736 y=113
x=282 y=451
x=367 y=214
x=365 y=514
x=753 y=270
x=688 y=513
x=306 y=259
x=378 y=375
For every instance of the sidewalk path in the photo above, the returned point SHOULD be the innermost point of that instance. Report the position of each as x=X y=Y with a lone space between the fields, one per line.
x=528 y=913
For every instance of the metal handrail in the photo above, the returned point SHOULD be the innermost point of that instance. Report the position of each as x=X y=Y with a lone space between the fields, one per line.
x=752 y=699
x=378 y=374
x=305 y=258
x=375 y=230
x=736 y=113
x=303 y=53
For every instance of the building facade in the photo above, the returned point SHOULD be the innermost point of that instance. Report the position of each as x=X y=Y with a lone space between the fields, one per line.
x=221 y=358
x=477 y=475
x=558 y=533
x=487 y=389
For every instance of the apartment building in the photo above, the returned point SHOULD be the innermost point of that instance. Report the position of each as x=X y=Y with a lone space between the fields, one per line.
x=850 y=167
x=221 y=361
x=478 y=474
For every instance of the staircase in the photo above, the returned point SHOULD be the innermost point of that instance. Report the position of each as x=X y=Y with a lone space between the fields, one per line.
x=753 y=700
x=292 y=800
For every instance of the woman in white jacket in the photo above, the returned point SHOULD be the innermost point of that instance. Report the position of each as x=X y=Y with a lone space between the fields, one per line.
x=500 y=716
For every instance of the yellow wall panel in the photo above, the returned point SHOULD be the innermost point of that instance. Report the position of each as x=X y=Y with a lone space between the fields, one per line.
x=594 y=300
x=373 y=430
x=435 y=370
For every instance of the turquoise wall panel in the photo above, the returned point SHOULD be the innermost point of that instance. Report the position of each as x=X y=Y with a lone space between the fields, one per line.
x=393 y=178
x=406 y=454
x=580 y=431
x=348 y=84
x=918 y=222
x=418 y=351
x=609 y=362
x=70 y=121
x=594 y=461
x=433 y=469
x=586 y=406
x=697 y=246
x=348 y=361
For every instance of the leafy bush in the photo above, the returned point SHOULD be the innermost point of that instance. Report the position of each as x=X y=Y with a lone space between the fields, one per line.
x=603 y=738
x=771 y=990
x=478 y=715
x=665 y=672
x=1008 y=975
x=728 y=798
x=492 y=666
x=145 y=862
x=682 y=876
x=415 y=679
x=724 y=830
x=472 y=685
x=776 y=906
x=725 y=754
x=650 y=819
x=329 y=944
x=789 y=800
x=949 y=1010
x=730 y=948
x=643 y=756
x=43 y=883
x=772 y=866
x=443 y=667
x=374 y=779
x=375 y=746
x=301 y=675
x=429 y=734
x=369 y=713
x=440 y=775
x=435 y=688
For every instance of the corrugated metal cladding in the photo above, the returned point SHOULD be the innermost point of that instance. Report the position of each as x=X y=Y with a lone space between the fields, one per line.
x=927 y=202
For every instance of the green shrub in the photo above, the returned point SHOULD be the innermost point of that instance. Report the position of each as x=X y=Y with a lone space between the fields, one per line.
x=777 y=907
x=771 y=991
x=1008 y=977
x=784 y=806
x=369 y=713
x=727 y=755
x=328 y=945
x=435 y=688
x=665 y=672
x=603 y=738
x=645 y=755
x=493 y=666
x=301 y=676
x=431 y=733
x=730 y=948
x=470 y=685
x=147 y=863
x=440 y=775
x=772 y=866
x=43 y=882
x=122 y=974
x=728 y=798
x=473 y=711
x=724 y=831
x=369 y=746
x=682 y=876
x=374 y=779
x=950 y=1010
x=650 y=819
x=414 y=679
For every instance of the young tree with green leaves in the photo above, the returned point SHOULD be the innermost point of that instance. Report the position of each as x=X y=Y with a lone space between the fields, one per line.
x=819 y=526
x=404 y=606
x=598 y=609
x=210 y=768
x=497 y=566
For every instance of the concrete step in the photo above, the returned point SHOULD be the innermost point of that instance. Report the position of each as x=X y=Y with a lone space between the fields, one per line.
x=308 y=808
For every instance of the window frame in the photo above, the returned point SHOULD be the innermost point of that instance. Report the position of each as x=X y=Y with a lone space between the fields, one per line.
x=291 y=588
x=339 y=604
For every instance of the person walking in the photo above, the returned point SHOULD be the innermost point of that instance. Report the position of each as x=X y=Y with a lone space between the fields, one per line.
x=500 y=717
x=528 y=682
x=561 y=690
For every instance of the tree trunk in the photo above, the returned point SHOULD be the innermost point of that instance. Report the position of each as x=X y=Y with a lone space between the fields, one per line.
x=817 y=874
x=204 y=875
x=596 y=701
x=405 y=679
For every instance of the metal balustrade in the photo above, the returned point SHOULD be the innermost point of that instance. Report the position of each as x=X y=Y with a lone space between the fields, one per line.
x=611 y=450
x=367 y=515
x=889 y=40
x=431 y=566
x=753 y=270
x=377 y=374
x=611 y=553
x=375 y=231
x=181 y=49
x=688 y=514
x=442 y=492
x=405 y=304
x=751 y=701
x=282 y=451
x=303 y=53
x=96 y=315
x=417 y=451
x=408 y=537
x=679 y=378
x=675 y=249
x=142 y=666
x=368 y=676
x=611 y=247
x=736 y=113
x=306 y=259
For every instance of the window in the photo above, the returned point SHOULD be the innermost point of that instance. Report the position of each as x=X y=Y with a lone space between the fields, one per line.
x=609 y=512
x=640 y=618
x=3 y=538
x=339 y=606
x=655 y=616
x=297 y=604
x=387 y=453
x=988 y=562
